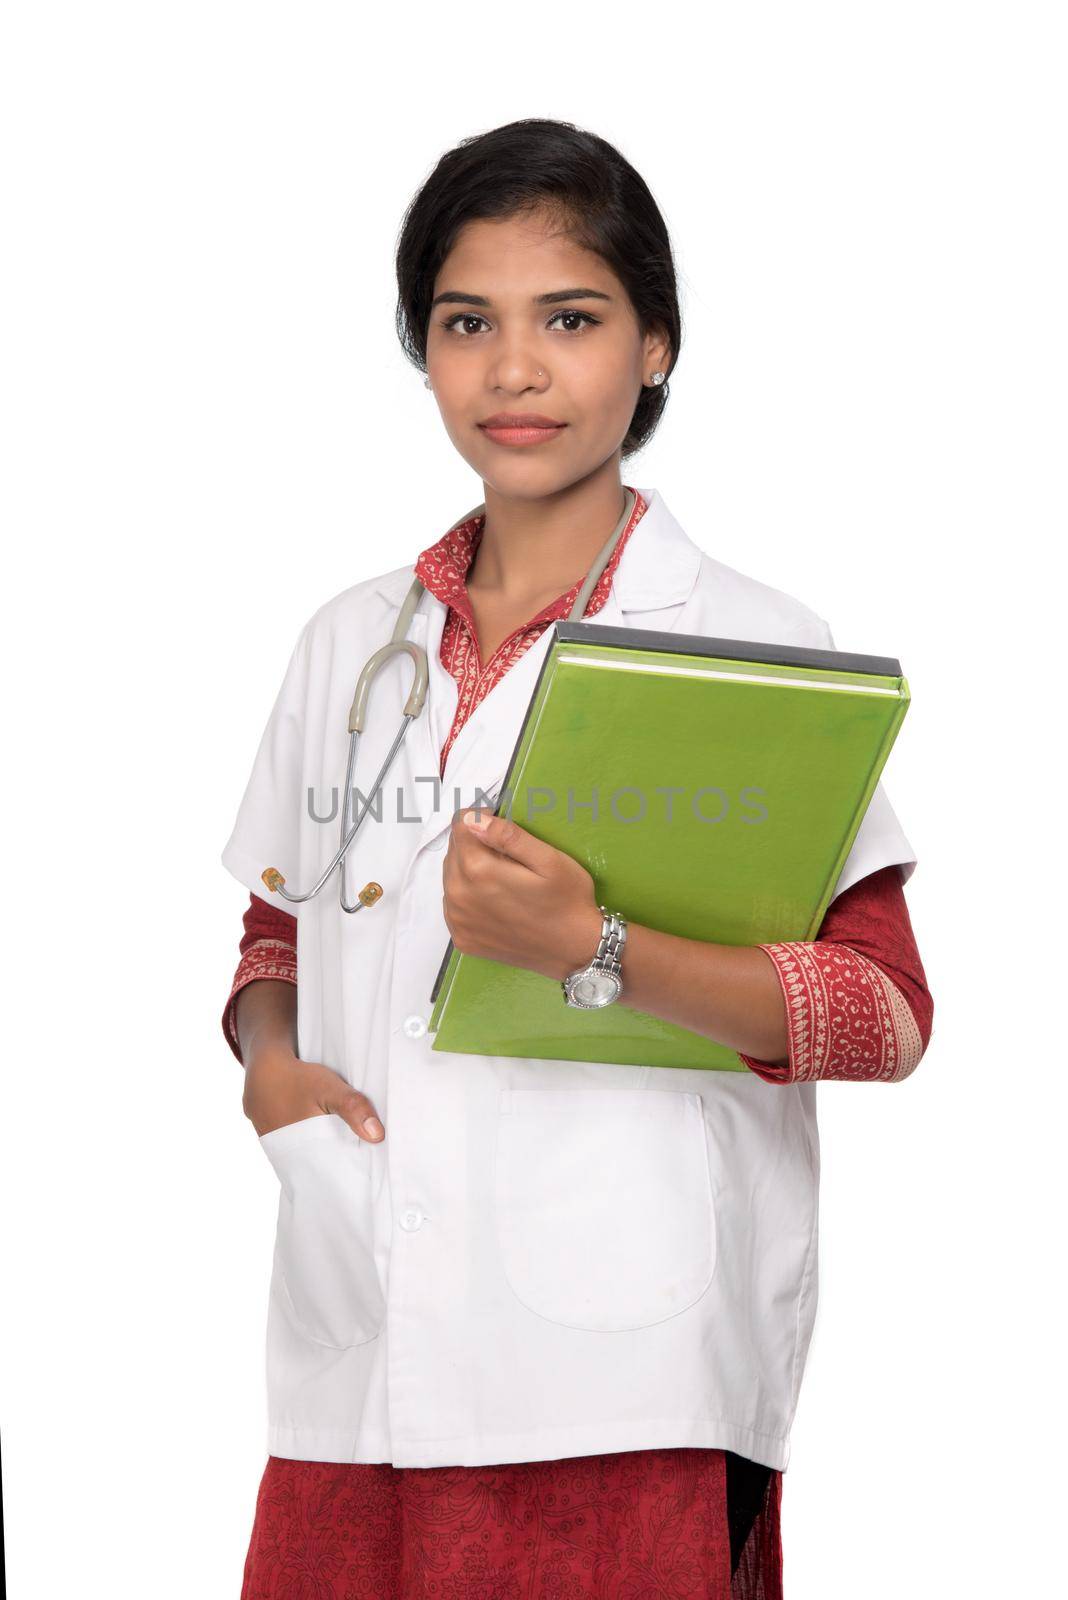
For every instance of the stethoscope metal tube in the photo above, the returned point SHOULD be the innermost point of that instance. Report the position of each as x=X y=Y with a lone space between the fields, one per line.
x=413 y=706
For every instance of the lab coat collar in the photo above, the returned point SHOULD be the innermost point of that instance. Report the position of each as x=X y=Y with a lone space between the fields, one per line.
x=658 y=569
x=658 y=566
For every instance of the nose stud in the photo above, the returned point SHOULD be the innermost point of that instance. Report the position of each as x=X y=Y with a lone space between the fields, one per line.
x=428 y=385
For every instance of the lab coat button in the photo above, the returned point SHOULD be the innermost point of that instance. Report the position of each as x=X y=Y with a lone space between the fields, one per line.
x=415 y=1027
x=411 y=1219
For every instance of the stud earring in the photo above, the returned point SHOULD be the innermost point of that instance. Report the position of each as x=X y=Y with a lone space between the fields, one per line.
x=427 y=383
x=658 y=378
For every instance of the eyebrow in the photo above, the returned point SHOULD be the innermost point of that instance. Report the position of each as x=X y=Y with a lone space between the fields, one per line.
x=454 y=297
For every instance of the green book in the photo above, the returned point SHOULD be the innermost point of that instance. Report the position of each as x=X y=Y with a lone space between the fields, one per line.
x=712 y=787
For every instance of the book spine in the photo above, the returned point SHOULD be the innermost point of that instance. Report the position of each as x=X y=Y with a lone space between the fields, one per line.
x=450 y=961
x=453 y=957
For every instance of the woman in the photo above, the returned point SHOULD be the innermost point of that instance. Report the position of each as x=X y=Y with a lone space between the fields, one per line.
x=452 y=1414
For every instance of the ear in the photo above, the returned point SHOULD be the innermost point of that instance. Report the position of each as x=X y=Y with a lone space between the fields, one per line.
x=656 y=354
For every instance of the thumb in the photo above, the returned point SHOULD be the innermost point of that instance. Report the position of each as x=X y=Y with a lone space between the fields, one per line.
x=352 y=1106
x=509 y=839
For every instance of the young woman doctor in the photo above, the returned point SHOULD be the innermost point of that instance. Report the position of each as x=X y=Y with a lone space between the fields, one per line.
x=536 y=1328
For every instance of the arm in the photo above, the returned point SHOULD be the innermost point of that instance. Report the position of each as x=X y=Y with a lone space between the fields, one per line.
x=852 y=1004
x=268 y=950
x=729 y=993
x=511 y=897
x=260 y=1025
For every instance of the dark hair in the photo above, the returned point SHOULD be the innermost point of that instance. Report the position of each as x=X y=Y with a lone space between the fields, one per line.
x=600 y=201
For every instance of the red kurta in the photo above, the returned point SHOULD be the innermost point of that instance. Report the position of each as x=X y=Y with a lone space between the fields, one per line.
x=684 y=1522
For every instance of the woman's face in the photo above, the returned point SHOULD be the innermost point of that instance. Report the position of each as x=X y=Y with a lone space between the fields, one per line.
x=526 y=321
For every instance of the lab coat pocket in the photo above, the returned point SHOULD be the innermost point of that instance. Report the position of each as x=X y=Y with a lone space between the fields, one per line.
x=604 y=1205
x=324 y=1253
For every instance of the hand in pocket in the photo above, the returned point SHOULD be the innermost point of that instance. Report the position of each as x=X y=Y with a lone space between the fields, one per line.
x=280 y=1090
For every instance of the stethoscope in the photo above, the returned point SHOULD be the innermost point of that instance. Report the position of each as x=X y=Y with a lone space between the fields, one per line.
x=413 y=706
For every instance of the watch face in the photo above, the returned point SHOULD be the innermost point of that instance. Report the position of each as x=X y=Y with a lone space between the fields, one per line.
x=592 y=989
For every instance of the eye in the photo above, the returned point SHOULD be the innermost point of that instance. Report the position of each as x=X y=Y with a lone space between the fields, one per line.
x=593 y=321
x=453 y=324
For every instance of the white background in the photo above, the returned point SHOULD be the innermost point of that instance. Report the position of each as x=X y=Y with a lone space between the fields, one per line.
x=209 y=428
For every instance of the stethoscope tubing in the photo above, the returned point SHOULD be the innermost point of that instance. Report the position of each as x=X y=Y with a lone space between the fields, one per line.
x=346 y=839
x=413 y=706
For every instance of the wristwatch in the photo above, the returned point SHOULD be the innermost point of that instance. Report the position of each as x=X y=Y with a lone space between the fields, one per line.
x=602 y=981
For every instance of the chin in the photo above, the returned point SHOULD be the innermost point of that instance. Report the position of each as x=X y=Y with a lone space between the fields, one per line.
x=527 y=479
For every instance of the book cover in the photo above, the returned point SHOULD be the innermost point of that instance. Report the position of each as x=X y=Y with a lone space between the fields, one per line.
x=712 y=787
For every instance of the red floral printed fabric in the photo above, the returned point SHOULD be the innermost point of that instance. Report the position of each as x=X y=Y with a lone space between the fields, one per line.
x=857 y=1003
x=443 y=569
x=624 y=1525
x=621 y=1526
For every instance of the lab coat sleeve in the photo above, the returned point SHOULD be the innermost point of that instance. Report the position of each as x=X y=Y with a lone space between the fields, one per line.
x=880 y=840
x=268 y=828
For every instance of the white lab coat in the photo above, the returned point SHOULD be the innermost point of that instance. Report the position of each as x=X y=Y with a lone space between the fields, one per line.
x=542 y=1258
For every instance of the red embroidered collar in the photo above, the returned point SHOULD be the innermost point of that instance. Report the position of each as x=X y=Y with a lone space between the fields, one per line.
x=443 y=567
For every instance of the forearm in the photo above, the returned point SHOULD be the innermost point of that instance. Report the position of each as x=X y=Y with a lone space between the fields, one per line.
x=852 y=1004
x=265 y=1017
x=729 y=993
x=268 y=950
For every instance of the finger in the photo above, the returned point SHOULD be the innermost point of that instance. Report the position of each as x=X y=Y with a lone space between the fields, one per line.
x=506 y=837
x=354 y=1108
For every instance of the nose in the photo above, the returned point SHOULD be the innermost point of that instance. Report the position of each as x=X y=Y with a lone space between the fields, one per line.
x=516 y=367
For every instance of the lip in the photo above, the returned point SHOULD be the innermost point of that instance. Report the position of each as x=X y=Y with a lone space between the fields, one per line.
x=522 y=428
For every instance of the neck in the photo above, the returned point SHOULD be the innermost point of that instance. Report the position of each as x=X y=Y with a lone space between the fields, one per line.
x=541 y=547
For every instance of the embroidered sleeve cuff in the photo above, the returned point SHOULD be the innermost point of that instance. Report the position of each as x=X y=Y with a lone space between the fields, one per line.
x=846 y=1019
x=264 y=958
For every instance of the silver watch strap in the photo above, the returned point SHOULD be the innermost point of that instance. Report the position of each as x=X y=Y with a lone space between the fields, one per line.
x=613 y=938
